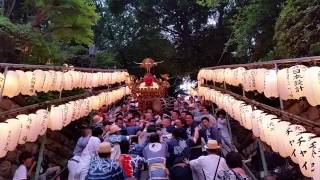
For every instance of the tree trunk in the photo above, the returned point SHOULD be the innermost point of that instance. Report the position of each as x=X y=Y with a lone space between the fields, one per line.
x=10 y=9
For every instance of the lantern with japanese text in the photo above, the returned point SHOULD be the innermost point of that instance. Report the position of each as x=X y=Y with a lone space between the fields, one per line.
x=43 y=115
x=296 y=74
x=35 y=128
x=14 y=128
x=40 y=78
x=25 y=127
x=292 y=132
x=283 y=84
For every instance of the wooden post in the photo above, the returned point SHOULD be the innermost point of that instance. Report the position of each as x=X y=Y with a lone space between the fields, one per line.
x=280 y=100
x=40 y=156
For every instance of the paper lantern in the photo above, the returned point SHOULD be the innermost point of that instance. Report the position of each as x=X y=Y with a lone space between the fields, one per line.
x=272 y=134
x=297 y=144
x=28 y=83
x=65 y=119
x=4 y=134
x=25 y=127
x=40 y=78
x=283 y=84
x=35 y=128
x=58 y=81
x=268 y=120
x=89 y=80
x=315 y=158
x=67 y=81
x=248 y=80
x=271 y=83
x=11 y=85
x=254 y=119
x=47 y=86
x=14 y=128
x=259 y=80
x=246 y=117
x=55 y=118
x=281 y=133
x=296 y=74
x=43 y=115
x=292 y=132
x=312 y=85
x=303 y=152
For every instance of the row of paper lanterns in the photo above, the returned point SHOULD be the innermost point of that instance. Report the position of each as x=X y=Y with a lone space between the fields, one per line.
x=288 y=83
x=27 y=127
x=289 y=140
x=31 y=82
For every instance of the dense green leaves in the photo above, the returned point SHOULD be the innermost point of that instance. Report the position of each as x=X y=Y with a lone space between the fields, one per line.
x=298 y=29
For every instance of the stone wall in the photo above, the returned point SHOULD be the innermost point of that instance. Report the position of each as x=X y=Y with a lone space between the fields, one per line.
x=58 y=147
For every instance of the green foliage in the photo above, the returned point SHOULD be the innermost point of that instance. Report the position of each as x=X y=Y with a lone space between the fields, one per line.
x=252 y=28
x=69 y=21
x=7 y=25
x=211 y=3
x=297 y=31
x=106 y=60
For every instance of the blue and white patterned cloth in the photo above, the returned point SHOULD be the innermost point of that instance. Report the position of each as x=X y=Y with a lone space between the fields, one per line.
x=104 y=169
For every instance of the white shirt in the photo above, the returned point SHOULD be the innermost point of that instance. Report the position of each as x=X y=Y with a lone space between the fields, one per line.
x=206 y=165
x=20 y=173
x=91 y=148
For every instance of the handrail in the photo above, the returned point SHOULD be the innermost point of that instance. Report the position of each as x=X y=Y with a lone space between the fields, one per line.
x=281 y=113
x=313 y=60
x=49 y=67
x=6 y=114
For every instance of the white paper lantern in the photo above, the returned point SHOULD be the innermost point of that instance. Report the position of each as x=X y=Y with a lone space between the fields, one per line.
x=55 y=118
x=40 y=78
x=296 y=74
x=28 y=83
x=248 y=81
x=4 y=134
x=254 y=119
x=43 y=115
x=259 y=80
x=315 y=159
x=292 y=132
x=65 y=119
x=283 y=84
x=47 y=86
x=35 y=128
x=281 y=132
x=272 y=134
x=297 y=143
x=67 y=81
x=268 y=120
x=25 y=127
x=303 y=151
x=58 y=83
x=14 y=128
x=11 y=85
x=312 y=85
x=271 y=83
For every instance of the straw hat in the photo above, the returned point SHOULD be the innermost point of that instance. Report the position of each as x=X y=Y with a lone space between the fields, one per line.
x=104 y=147
x=212 y=144
x=114 y=128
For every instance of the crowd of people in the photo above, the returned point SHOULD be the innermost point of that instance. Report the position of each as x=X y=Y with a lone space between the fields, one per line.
x=189 y=142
